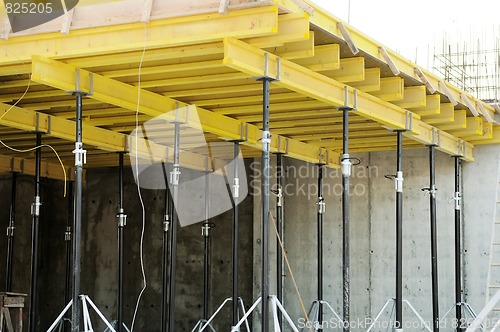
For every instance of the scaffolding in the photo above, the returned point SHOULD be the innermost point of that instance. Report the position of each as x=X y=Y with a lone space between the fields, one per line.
x=473 y=66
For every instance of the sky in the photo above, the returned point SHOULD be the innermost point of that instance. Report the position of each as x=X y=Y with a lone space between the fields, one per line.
x=415 y=28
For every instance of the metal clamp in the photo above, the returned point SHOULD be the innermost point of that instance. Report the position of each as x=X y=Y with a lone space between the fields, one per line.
x=35 y=207
x=175 y=176
x=205 y=229
x=436 y=137
x=236 y=188
x=458 y=201
x=78 y=84
x=409 y=121
x=67 y=234
x=80 y=154
x=279 y=196
x=10 y=231
x=266 y=140
x=346 y=106
x=346 y=165
x=398 y=179
x=122 y=218
x=432 y=190
x=266 y=70
x=321 y=205
x=166 y=223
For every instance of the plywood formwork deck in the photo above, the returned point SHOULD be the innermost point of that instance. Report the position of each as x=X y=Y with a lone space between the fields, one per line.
x=197 y=54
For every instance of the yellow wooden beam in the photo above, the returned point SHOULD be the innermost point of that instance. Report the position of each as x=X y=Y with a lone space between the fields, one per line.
x=487 y=133
x=370 y=83
x=474 y=127
x=248 y=59
x=242 y=110
x=295 y=50
x=459 y=122
x=391 y=89
x=413 y=97
x=350 y=70
x=445 y=116
x=195 y=29
x=63 y=76
x=291 y=28
x=432 y=106
x=49 y=170
x=495 y=137
x=326 y=57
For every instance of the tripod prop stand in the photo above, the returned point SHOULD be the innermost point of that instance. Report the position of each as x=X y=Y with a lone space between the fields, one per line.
x=87 y=324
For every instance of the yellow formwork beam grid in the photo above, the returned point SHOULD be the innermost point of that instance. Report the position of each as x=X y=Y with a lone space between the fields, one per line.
x=391 y=89
x=195 y=29
x=446 y=115
x=63 y=76
x=251 y=60
x=49 y=170
x=107 y=140
x=326 y=57
x=334 y=26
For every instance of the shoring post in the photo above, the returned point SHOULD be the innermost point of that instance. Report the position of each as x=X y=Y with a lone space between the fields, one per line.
x=80 y=160
x=399 y=231
x=68 y=235
x=10 y=235
x=321 y=211
x=35 y=226
x=265 y=188
x=279 y=225
x=122 y=222
x=174 y=183
x=165 y=279
x=346 y=167
x=434 y=266
x=205 y=231
x=458 y=247
x=235 y=237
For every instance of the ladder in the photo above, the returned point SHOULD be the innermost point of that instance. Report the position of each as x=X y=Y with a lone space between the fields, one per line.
x=493 y=280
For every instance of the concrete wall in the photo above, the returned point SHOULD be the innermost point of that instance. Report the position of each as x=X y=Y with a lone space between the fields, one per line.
x=373 y=234
x=372 y=241
x=99 y=266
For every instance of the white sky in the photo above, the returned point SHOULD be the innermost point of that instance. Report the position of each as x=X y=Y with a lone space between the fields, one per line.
x=406 y=25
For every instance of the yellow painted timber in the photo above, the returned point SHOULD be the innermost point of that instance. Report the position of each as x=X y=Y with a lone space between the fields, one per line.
x=195 y=29
x=432 y=106
x=474 y=126
x=414 y=97
x=371 y=82
x=326 y=57
x=326 y=128
x=350 y=70
x=164 y=69
x=192 y=80
x=251 y=60
x=27 y=166
x=63 y=76
x=241 y=110
x=446 y=115
x=459 y=122
x=282 y=97
x=214 y=90
x=495 y=137
x=273 y=116
x=291 y=28
x=391 y=89
x=295 y=50
x=160 y=54
x=486 y=134
x=328 y=23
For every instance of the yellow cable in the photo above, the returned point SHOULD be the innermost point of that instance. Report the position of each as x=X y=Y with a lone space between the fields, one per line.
x=39 y=147
x=304 y=311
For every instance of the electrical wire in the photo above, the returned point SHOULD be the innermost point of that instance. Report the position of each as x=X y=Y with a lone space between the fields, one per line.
x=37 y=147
x=141 y=248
